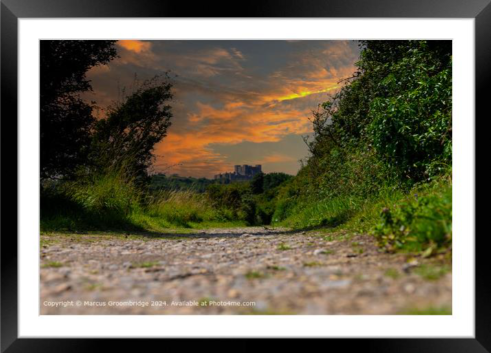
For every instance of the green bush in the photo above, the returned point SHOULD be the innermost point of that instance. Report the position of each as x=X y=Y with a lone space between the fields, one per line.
x=230 y=198
x=411 y=125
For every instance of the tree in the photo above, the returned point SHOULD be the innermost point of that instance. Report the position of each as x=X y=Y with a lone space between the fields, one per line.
x=273 y=180
x=397 y=105
x=124 y=141
x=257 y=184
x=66 y=120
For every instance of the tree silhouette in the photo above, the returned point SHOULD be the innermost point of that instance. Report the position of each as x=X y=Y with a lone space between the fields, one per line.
x=257 y=183
x=124 y=141
x=66 y=120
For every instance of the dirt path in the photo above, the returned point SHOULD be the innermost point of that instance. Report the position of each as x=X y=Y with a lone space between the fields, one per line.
x=234 y=271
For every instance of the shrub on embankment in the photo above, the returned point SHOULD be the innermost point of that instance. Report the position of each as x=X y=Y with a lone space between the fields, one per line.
x=385 y=136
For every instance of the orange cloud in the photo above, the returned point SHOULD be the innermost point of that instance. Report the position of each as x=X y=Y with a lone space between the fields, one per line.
x=136 y=46
x=234 y=123
x=262 y=117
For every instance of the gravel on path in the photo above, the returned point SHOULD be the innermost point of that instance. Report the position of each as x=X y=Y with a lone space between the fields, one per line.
x=250 y=270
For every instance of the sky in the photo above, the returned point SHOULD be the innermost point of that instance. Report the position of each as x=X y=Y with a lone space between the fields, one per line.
x=235 y=102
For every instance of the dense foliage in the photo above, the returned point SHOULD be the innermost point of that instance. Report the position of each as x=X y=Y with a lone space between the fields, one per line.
x=389 y=129
x=253 y=202
x=396 y=110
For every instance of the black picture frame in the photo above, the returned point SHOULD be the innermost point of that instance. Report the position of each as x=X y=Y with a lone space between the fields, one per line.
x=13 y=10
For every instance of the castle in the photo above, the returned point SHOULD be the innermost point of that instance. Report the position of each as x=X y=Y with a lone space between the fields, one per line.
x=241 y=172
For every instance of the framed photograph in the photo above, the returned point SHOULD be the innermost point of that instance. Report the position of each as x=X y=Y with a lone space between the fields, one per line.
x=289 y=170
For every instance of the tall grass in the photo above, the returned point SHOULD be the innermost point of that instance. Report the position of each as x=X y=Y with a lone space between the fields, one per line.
x=96 y=202
x=180 y=209
x=112 y=202
x=417 y=220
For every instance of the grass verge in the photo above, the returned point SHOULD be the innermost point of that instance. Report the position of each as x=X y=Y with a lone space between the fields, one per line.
x=109 y=203
x=418 y=221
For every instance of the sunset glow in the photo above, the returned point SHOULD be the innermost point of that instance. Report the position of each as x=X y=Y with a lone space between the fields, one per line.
x=236 y=102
